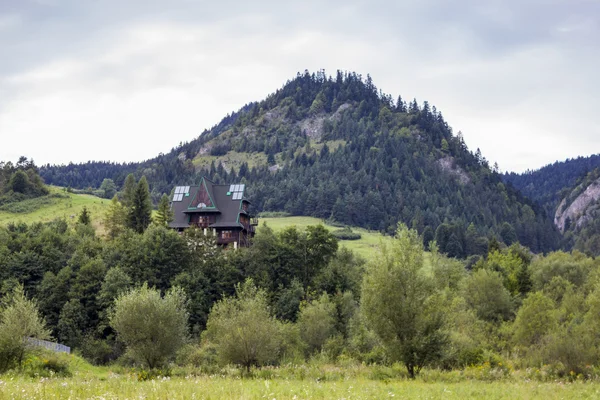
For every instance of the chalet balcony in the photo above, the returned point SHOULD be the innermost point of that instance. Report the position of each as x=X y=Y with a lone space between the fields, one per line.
x=254 y=221
x=221 y=240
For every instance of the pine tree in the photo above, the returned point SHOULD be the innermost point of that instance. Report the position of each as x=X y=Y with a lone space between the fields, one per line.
x=115 y=218
x=164 y=214
x=84 y=217
x=128 y=190
x=140 y=213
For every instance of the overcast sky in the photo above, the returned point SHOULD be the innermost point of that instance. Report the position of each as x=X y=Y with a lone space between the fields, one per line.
x=125 y=80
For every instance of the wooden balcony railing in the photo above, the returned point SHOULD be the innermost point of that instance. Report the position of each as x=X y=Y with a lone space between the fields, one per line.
x=222 y=240
x=254 y=221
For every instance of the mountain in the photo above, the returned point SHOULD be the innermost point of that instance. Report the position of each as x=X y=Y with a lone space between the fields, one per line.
x=338 y=148
x=578 y=215
x=569 y=191
x=550 y=184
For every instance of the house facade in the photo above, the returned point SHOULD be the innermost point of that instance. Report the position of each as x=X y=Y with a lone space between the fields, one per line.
x=220 y=209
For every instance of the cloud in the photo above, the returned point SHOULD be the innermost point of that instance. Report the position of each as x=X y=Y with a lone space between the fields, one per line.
x=125 y=81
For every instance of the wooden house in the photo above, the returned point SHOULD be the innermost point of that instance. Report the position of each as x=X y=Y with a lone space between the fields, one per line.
x=220 y=209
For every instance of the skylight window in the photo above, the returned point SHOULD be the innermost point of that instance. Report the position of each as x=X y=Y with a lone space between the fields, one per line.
x=180 y=191
x=237 y=191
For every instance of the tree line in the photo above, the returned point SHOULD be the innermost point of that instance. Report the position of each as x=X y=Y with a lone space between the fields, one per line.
x=157 y=297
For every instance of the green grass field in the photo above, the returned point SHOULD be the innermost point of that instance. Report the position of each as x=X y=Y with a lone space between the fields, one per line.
x=68 y=207
x=216 y=387
x=366 y=246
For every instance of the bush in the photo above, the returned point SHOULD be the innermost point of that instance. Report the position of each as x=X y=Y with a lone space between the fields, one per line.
x=100 y=351
x=150 y=374
x=346 y=234
x=485 y=293
x=202 y=356
x=243 y=328
x=153 y=328
x=274 y=214
x=19 y=319
x=334 y=347
x=46 y=364
x=317 y=323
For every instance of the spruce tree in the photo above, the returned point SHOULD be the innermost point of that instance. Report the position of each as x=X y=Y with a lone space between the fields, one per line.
x=140 y=212
x=115 y=218
x=84 y=217
x=164 y=215
x=128 y=190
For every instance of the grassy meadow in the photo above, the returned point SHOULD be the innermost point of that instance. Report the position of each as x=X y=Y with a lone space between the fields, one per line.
x=215 y=387
x=365 y=246
x=59 y=204
x=315 y=380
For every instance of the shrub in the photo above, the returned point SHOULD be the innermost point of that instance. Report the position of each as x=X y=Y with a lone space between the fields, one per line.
x=243 y=328
x=153 y=328
x=317 y=323
x=100 y=351
x=202 y=356
x=346 y=234
x=274 y=214
x=486 y=294
x=46 y=364
x=19 y=319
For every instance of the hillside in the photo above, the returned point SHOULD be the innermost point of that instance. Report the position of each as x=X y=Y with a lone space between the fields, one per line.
x=57 y=204
x=337 y=148
x=366 y=246
x=551 y=183
x=578 y=215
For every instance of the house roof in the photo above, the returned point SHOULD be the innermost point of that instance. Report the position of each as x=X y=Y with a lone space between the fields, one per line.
x=208 y=197
x=226 y=225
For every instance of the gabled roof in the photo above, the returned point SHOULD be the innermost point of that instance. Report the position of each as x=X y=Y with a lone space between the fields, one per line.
x=223 y=200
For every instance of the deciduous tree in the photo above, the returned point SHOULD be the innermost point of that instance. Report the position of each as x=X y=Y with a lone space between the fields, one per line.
x=243 y=328
x=399 y=304
x=152 y=327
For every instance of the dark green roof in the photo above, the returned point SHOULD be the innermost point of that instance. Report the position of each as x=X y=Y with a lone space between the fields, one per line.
x=225 y=207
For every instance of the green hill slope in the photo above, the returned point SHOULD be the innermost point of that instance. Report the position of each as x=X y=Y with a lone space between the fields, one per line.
x=366 y=246
x=58 y=204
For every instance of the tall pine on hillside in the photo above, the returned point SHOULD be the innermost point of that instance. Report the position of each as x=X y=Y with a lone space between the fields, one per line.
x=164 y=214
x=140 y=213
x=128 y=190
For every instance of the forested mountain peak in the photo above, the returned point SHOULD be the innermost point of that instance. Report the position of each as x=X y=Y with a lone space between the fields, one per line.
x=336 y=147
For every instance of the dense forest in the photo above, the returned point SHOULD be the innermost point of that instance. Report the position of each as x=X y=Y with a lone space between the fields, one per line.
x=298 y=297
x=550 y=184
x=338 y=148
x=556 y=187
